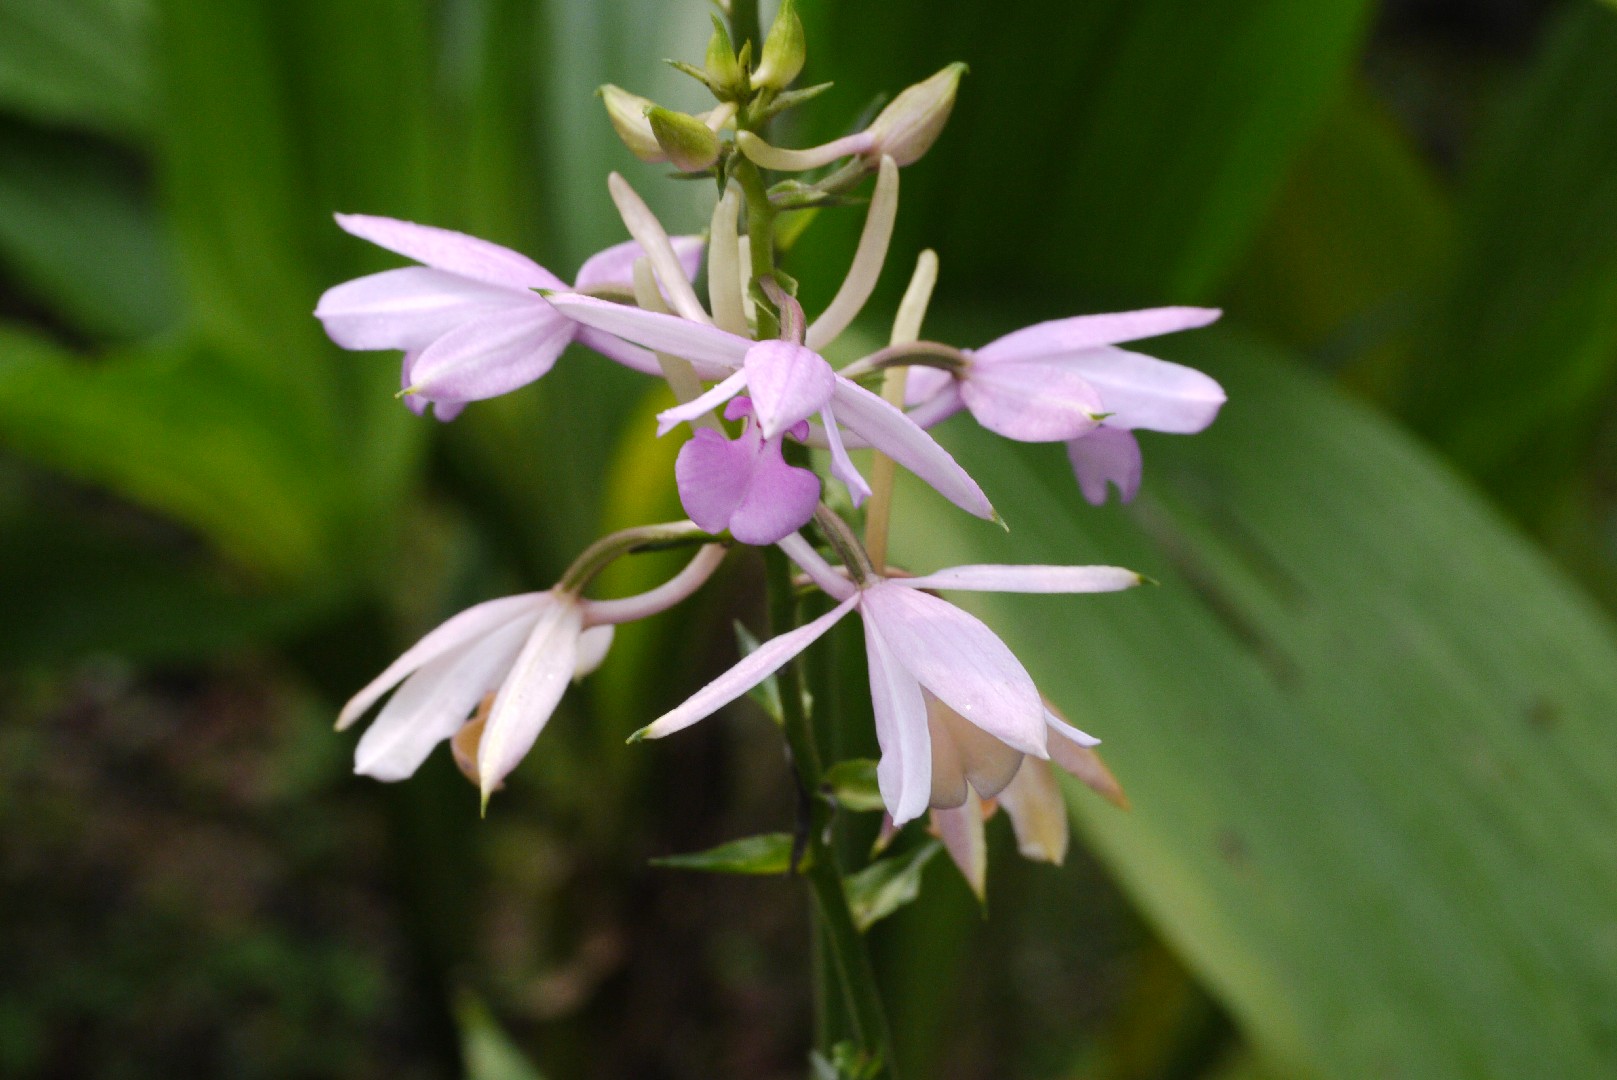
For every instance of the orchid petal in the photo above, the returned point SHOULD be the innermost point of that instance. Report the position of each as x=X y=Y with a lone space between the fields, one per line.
x=434 y=702
x=972 y=757
x=753 y=669
x=630 y=356
x=1031 y=402
x=1067 y=731
x=965 y=839
x=787 y=383
x=1026 y=579
x=615 y=265
x=492 y=355
x=712 y=474
x=593 y=645
x=443 y=249
x=672 y=277
x=904 y=773
x=780 y=498
x=842 y=466
x=1038 y=813
x=961 y=662
x=541 y=674
x=469 y=625
x=1107 y=455
x=1059 y=336
x=671 y=334
x=706 y=402
x=801 y=552
x=408 y=308
x=896 y=435
x=923 y=383
x=1143 y=392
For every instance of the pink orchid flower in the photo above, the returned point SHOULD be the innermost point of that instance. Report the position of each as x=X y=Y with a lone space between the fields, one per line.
x=469 y=323
x=1066 y=381
x=919 y=644
x=787 y=383
x=744 y=485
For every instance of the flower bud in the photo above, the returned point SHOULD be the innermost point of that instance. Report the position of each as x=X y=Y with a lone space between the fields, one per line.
x=722 y=71
x=689 y=143
x=628 y=115
x=912 y=121
x=784 y=50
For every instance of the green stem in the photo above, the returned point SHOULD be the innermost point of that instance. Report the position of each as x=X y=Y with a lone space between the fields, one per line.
x=745 y=27
x=760 y=236
x=839 y=935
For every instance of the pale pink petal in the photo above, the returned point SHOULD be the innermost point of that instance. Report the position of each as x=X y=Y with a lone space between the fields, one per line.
x=469 y=625
x=1037 y=811
x=1107 y=455
x=615 y=265
x=904 y=773
x=753 y=669
x=541 y=674
x=706 y=402
x=842 y=466
x=964 y=838
x=923 y=383
x=632 y=357
x=788 y=383
x=434 y=702
x=670 y=334
x=962 y=754
x=455 y=252
x=896 y=435
x=822 y=573
x=961 y=661
x=593 y=645
x=1026 y=579
x=491 y=356
x=1031 y=402
x=1065 y=731
x=1143 y=392
x=408 y=308
x=712 y=474
x=1061 y=336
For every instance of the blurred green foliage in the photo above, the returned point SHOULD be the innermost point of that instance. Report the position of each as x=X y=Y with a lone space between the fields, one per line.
x=1366 y=721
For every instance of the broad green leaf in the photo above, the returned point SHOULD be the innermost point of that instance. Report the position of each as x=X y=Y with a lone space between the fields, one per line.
x=1365 y=728
x=769 y=853
x=81 y=232
x=1518 y=368
x=178 y=431
x=853 y=784
x=80 y=62
x=1126 y=150
x=885 y=886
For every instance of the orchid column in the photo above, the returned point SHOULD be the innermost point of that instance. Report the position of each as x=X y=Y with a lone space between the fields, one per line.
x=961 y=726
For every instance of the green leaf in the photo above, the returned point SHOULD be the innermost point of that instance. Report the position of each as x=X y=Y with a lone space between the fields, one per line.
x=853 y=785
x=81 y=62
x=1517 y=371
x=883 y=887
x=488 y=1051
x=1365 y=727
x=81 y=232
x=770 y=853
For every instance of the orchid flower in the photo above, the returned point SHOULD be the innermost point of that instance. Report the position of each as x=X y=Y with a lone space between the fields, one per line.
x=1065 y=381
x=469 y=323
x=524 y=650
x=787 y=383
x=916 y=644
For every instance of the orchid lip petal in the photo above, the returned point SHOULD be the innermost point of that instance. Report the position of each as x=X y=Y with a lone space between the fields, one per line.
x=753 y=669
x=1106 y=456
x=670 y=334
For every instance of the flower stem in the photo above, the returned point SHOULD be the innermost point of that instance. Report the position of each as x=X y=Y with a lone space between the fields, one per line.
x=836 y=931
x=760 y=237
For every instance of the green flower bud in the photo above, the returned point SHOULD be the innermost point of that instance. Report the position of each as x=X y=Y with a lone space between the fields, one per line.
x=784 y=50
x=912 y=121
x=690 y=144
x=724 y=75
x=628 y=115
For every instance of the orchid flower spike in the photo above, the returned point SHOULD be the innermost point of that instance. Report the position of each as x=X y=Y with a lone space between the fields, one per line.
x=520 y=650
x=787 y=383
x=918 y=644
x=469 y=323
x=1066 y=381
